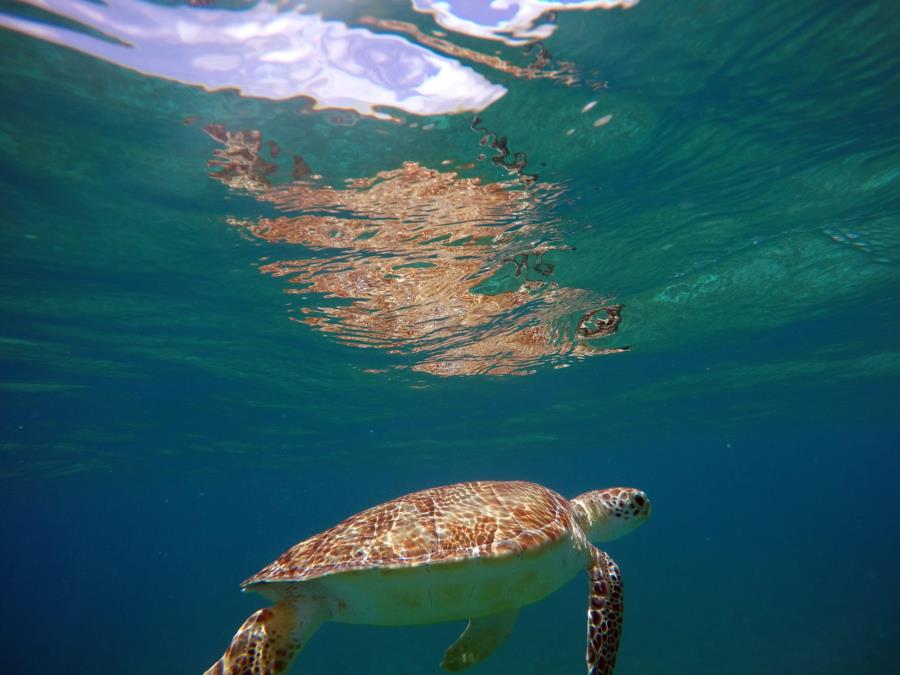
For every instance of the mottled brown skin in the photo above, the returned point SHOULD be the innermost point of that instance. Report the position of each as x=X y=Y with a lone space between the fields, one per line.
x=262 y=645
x=604 y=624
x=443 y=524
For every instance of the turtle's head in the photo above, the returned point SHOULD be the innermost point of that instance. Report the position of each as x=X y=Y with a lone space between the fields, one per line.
x=608 y=514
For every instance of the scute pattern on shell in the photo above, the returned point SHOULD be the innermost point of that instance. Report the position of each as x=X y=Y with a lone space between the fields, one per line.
x=438 y=525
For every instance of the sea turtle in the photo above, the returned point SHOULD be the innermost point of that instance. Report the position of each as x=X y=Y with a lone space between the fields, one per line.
x=476 y=551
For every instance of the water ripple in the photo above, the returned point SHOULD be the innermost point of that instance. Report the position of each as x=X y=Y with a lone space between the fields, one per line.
x=449 y=271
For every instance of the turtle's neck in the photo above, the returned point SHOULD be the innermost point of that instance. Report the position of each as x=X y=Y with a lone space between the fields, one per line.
x=608 y=514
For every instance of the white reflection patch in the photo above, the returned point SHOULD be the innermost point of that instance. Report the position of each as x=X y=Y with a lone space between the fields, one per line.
x=511 y=21
x=300 y=55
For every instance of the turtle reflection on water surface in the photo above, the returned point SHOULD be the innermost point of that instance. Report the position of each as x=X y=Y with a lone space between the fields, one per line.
x=404 y=253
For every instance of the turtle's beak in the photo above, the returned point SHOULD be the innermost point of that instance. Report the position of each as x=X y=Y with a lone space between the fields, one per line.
x=641 y=502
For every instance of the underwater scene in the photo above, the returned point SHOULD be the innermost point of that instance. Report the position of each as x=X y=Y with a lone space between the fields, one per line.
x=265 y=265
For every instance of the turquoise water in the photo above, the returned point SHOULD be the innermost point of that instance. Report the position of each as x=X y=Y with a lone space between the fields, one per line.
x=211 y=350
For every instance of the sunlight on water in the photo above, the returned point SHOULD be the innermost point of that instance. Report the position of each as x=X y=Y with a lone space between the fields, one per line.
x=511 y=22
x=266 y=53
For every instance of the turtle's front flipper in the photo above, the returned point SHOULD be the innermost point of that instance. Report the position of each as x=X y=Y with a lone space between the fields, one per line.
x=604 y=614
x=270 y=639
x=479 y=639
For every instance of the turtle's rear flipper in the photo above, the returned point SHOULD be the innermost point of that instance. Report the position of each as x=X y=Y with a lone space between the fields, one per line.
x=478 y=640
x=604 y=625
x=269 y=640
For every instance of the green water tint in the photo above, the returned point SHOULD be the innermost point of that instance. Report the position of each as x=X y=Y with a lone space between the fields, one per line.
x=741 y=200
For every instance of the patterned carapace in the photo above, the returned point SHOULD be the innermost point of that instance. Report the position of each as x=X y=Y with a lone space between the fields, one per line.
x=439 y=525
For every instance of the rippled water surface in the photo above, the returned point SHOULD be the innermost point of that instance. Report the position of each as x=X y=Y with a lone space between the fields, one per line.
x=264 y=266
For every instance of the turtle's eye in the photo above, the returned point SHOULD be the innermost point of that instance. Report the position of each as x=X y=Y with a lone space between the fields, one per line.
x=640 y=501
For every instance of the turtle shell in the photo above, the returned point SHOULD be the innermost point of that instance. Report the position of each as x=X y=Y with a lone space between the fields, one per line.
x=439 y=525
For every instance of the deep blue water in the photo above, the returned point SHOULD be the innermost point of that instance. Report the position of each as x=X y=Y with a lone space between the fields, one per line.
x=199 y=366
